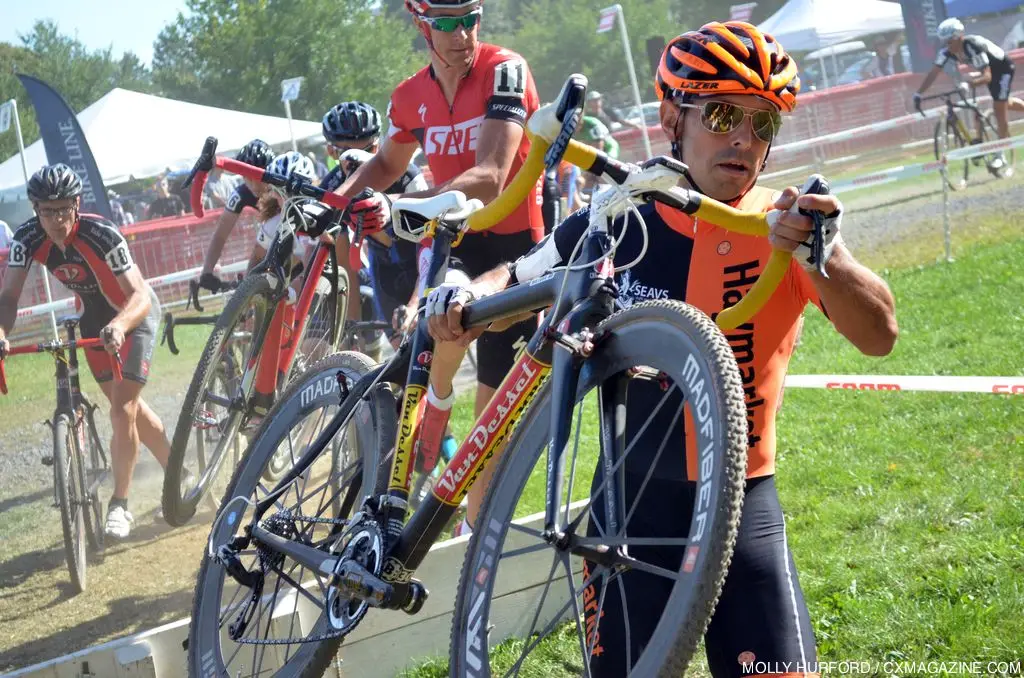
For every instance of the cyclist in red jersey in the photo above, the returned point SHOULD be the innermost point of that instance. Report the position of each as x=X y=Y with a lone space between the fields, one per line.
x=90 y=256
x=466 y=110
x=761 y=618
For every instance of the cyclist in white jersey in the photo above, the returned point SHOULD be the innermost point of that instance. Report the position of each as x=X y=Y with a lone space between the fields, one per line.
x=992 y=67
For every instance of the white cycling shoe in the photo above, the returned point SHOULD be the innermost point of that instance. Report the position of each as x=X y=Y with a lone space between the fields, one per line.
x=119 y=523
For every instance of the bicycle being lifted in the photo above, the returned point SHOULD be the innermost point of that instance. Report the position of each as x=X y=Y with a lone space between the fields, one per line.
x=296 y=565
x=952 y=131
x=266 y=334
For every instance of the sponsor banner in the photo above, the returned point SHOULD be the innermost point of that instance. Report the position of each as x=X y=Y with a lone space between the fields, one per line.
x=869 y=382
x=65 y=142
x=607 y=20
x=921 y=18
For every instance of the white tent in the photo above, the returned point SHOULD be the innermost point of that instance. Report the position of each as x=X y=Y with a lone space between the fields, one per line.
x=812 y=24
x=134 y=135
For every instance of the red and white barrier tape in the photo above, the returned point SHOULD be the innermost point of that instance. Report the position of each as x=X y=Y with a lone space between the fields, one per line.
x=871 y=382
x=888 y=176
x=159 y=281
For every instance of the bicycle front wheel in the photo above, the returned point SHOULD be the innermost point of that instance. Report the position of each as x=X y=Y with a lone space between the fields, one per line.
x=93 y=461
x=67 y=475
x=631 y=535
x=216 y=406
x=948 y=138
x=286 y=610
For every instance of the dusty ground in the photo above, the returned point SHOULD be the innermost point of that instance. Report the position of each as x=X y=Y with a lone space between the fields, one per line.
x=148 y=580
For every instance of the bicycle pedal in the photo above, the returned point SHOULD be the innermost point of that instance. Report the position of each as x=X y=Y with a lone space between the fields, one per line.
x=47 y=460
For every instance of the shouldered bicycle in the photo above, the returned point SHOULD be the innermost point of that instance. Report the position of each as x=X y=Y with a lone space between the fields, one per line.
x=295 y=565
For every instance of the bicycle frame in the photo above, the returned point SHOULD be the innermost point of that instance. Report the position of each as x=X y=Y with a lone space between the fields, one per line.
x=587 y=299
x=276 y=350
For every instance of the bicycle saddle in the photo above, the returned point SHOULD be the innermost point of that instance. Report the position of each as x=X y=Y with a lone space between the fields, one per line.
x=410 y=215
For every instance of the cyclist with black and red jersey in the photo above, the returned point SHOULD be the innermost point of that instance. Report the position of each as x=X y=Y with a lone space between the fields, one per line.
x=723 y=90
x=467 y=111
x=91 y=258
x=259 y=154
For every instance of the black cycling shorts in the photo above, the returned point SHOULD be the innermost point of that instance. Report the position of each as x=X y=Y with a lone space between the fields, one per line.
x=761 y=615
x=393 y=284
x=1001 y=82
x=136 y=351
x=496 y=351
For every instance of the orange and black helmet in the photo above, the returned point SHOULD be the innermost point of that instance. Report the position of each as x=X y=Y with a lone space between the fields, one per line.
x=728 y=58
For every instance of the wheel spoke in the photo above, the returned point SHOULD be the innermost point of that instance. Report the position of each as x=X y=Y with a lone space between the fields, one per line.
x=629 y=541
x=525 y=550
x=576 y=613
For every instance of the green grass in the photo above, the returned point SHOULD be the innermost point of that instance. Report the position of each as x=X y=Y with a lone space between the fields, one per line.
x=905 y=511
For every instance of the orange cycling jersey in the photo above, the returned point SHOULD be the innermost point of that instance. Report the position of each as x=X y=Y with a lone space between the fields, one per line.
x=499 y=86
x=711 y=269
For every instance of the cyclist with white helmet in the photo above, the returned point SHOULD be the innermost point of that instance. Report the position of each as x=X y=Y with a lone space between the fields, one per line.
x=271 y=202
x=993 y=68
x=259 y=154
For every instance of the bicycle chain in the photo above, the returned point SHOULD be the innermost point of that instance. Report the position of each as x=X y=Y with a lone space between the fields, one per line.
x=307 y=639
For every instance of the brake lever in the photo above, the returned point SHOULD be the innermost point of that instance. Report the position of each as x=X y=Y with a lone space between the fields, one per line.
x=205 y=161
x=569 y=113
x=816 y=185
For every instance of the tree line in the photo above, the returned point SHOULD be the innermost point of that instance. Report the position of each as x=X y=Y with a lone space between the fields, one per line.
x=234 y=53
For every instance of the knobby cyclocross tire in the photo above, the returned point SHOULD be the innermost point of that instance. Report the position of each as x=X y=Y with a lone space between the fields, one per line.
x=68 y=477
x=662 y=335
x=254 y=293
x=991 y=133
x=316 y=389
x=948 y=138
x=94 y=522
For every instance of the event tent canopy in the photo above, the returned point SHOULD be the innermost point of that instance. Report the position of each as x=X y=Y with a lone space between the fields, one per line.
x=812 y=24
x=134 y=135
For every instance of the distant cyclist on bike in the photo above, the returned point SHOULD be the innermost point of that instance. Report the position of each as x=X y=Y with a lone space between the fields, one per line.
x=723 y=90
x=994 y=68
x=467 y=110
x=89 y=255
x=352 y=130
x=259 y=154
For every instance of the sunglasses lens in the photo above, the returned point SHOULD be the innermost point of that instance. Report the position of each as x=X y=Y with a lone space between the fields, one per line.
x=721 y=118
x=765 y=125
x=448 y=24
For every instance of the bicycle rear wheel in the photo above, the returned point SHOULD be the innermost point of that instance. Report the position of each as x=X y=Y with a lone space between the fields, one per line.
x=313 y=509
x=68 y=477
x=998 y=164
x=672 y=364
x=322 y=331
x=948 y=138
x=216 y=406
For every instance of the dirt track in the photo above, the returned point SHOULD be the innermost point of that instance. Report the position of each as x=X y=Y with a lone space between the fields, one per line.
x=148 y=580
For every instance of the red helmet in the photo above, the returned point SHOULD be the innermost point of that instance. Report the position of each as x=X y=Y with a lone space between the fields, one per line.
x=420 y=7
x=728 y=58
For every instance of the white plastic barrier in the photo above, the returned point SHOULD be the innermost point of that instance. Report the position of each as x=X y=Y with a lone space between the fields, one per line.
x=889 y=176
x=159 y=281
x=385 y=643
x=870 y=382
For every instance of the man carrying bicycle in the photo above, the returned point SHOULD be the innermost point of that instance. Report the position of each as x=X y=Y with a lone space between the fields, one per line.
x=258 y=153
x=723 y=90
x=994 y=68
x=91 y=258
x=467 y=110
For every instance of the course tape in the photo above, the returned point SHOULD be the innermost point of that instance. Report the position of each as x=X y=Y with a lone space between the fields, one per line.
x=872 y=382
x=159 y=281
